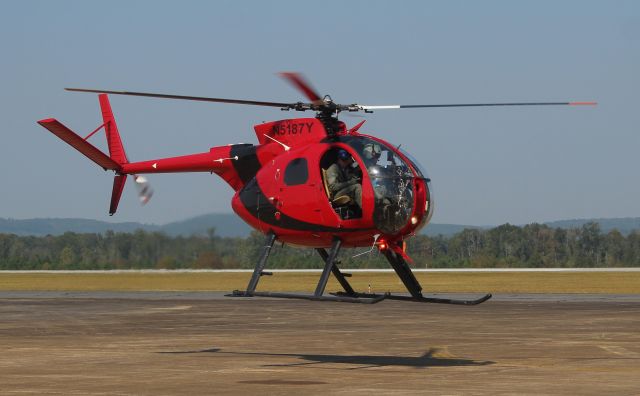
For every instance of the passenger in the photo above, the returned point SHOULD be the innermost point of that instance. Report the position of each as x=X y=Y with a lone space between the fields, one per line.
x=343 y=180
x=371 y=153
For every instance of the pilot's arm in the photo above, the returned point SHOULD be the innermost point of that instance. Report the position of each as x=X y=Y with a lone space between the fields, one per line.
x=334 y=179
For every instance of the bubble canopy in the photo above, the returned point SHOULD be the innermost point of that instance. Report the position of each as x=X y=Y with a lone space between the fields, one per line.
x=392 y=178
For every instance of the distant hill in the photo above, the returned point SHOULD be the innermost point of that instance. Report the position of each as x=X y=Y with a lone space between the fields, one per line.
x=230 y=225
x=225 y=224
x=625 y=224
x=60 y=226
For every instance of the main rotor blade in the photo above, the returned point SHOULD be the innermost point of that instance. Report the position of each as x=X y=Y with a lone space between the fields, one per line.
x=198 y=98
x=365 y=107
x=298 y=81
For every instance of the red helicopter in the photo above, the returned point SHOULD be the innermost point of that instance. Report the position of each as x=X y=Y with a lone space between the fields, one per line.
x=309 y=182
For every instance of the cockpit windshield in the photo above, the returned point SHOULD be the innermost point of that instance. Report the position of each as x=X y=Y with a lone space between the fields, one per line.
x=392 y=180
x=416 y=165
x=421 y=172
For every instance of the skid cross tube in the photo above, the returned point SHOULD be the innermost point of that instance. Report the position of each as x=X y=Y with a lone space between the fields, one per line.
x=262 y=261
x=329 y=264
x=337 y=273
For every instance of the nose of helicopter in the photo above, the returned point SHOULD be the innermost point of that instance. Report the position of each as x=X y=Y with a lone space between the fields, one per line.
x=403 y=205
x=424 y=204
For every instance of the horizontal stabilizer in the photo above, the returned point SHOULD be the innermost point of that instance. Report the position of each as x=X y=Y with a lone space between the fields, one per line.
x=86 y=148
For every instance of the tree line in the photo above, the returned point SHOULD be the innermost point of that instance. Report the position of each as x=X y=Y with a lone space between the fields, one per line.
x=505 y=246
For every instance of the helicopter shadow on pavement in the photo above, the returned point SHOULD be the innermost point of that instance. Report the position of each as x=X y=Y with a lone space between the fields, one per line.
x=428 y=359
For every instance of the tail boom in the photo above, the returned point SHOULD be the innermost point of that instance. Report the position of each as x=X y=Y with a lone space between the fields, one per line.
x=201 y=162
x=235 y=164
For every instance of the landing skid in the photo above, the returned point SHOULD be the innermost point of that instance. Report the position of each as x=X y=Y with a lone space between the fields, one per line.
x=361 y=298
x=344 y=297
x=393 y=255
x=433 y=300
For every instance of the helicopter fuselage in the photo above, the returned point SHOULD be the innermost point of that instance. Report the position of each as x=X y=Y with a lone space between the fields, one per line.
x=289 y=195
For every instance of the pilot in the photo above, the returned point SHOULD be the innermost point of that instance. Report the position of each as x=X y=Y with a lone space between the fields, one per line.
x=343 y=180
x=371 y=154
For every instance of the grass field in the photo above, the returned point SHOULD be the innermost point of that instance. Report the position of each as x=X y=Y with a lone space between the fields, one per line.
x=492 y=282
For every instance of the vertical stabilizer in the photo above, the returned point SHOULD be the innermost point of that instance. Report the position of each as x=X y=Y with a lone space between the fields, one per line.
x=116 y=150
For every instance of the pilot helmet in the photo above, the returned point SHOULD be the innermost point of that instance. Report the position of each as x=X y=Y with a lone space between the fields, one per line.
x=343 y=154
x=371 y=151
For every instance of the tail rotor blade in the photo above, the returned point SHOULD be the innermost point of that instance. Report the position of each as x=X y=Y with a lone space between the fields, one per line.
x=145 y=192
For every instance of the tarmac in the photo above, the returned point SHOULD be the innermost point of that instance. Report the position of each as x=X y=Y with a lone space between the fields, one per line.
x=165 y=343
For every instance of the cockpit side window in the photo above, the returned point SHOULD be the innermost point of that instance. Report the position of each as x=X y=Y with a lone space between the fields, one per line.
x=297 y=172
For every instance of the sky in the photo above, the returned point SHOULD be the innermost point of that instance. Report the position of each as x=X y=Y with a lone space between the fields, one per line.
x=488 y=165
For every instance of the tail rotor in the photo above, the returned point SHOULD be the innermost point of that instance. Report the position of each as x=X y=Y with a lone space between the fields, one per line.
x=145 y=192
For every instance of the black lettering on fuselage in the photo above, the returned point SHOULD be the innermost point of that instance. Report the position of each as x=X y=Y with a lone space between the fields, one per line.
x=291 y=128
